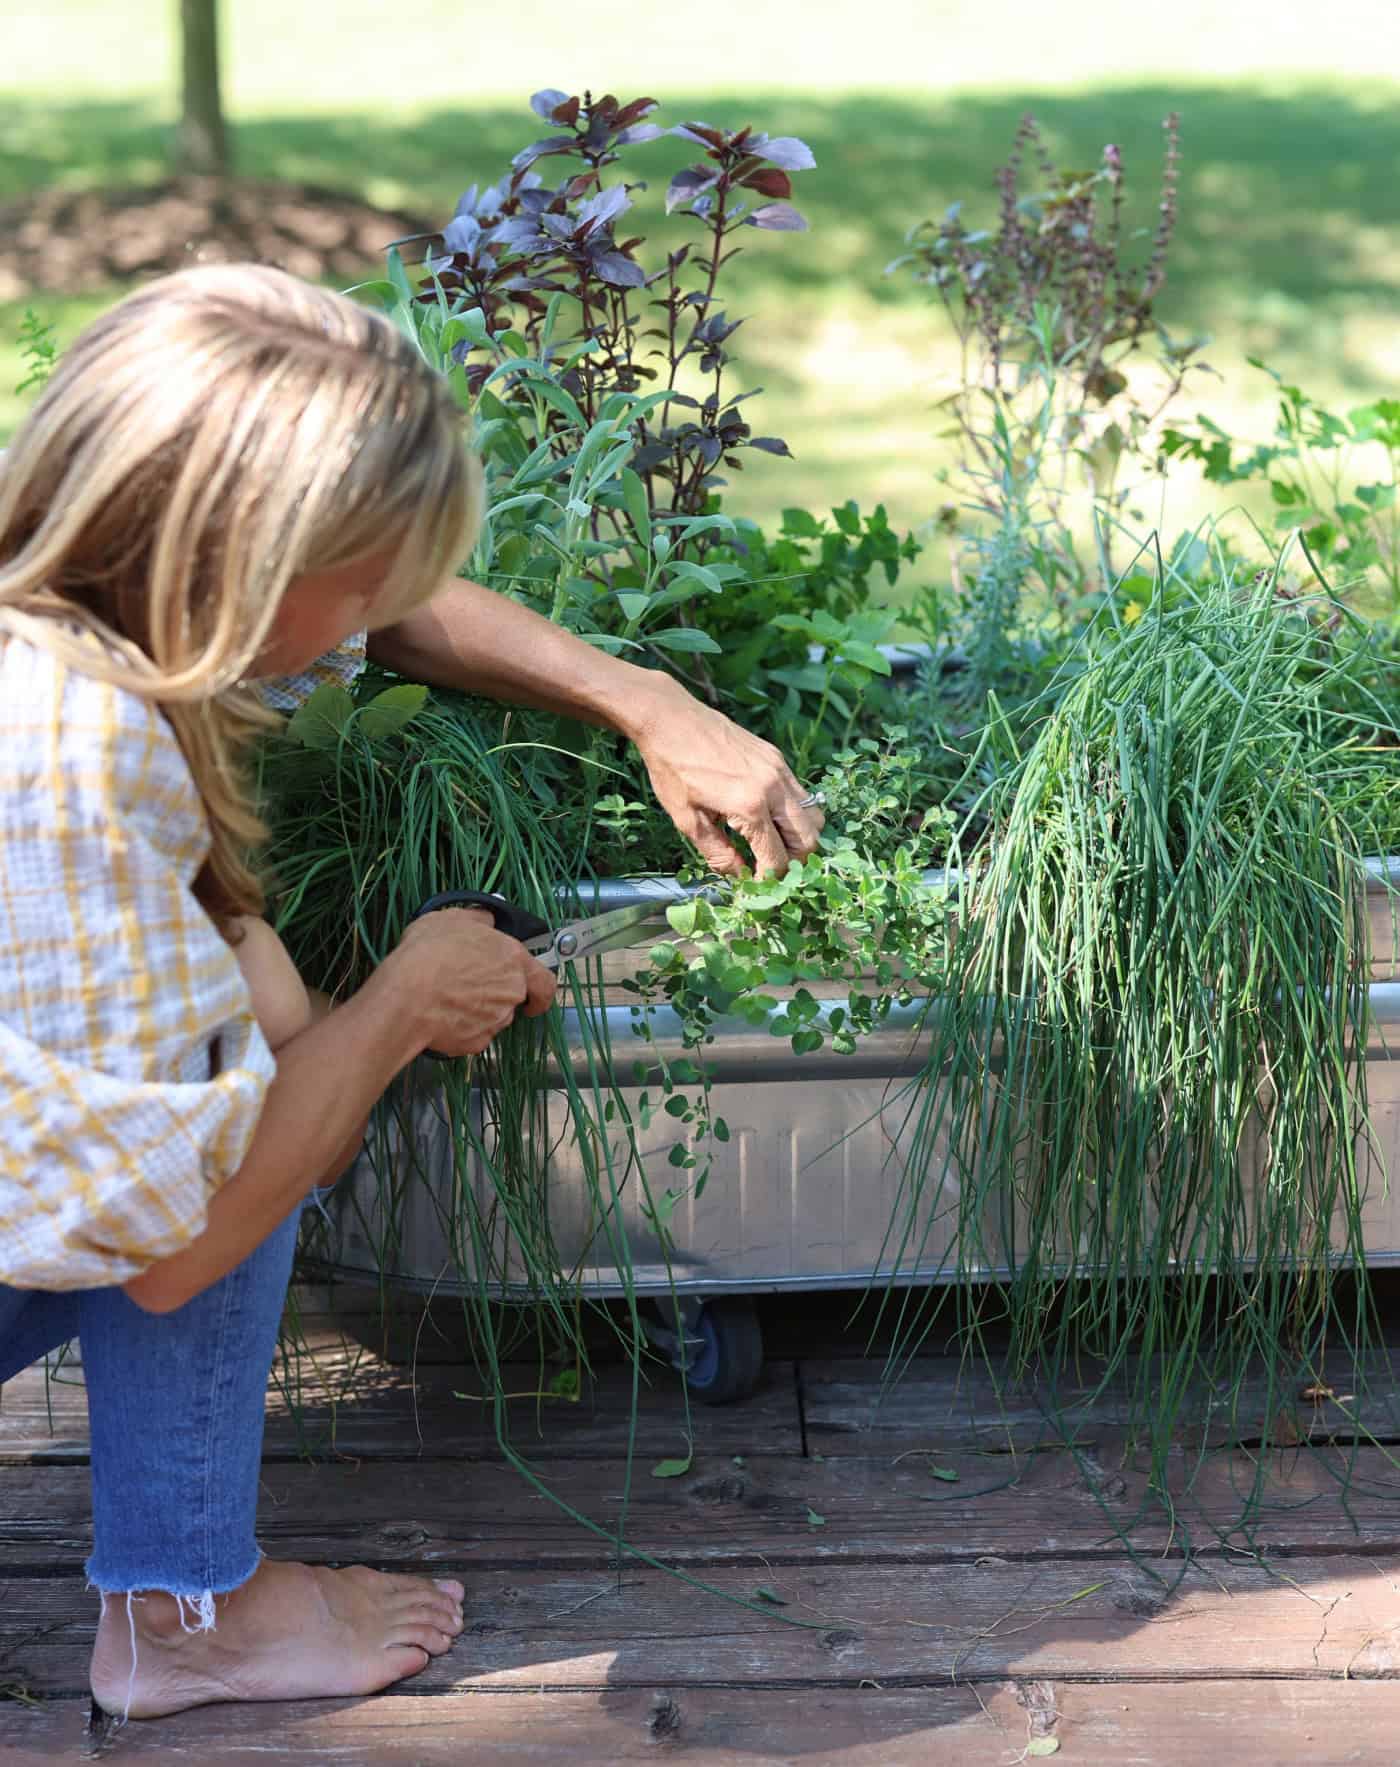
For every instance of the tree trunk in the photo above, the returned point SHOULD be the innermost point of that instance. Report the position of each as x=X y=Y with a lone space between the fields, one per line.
x=202 y=142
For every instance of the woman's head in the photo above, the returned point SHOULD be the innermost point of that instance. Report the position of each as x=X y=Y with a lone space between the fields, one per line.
x=228 y=472
x=212 y=439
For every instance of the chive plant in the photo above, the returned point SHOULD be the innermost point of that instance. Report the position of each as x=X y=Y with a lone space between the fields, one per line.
x=1147 y=1060
x=373 y=809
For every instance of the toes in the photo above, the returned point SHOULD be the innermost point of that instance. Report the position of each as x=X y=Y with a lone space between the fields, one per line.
x=421 y=1609
x=450 y=1586
x=408 y=1659
x=425 y=1635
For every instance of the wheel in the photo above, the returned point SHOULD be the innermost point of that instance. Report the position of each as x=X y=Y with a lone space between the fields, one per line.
x=727 y=1363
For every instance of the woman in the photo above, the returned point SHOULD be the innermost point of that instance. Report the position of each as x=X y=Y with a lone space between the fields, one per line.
x=230 y=475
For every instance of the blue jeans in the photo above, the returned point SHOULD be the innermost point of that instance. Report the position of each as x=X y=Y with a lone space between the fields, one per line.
x=175 y=1407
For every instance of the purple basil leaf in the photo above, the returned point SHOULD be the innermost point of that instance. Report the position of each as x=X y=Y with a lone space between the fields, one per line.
x=777 y=217
x=466 y=203
x=619 y=271
x=692 y=132
x=518 y=233
x=703 y=206
x=687 y=183
x=708 y=448
x=537 y=149
x=544 y=104
x=559 y=226
x=634 y=112
x=789 y=153
x=770 y=445
x=462 y=234
x=606 y=206
x=770 y=182
x=639 y=132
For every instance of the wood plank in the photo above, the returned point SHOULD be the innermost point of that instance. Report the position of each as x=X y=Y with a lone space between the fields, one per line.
x=1033 y=1507
x=341 y=1401
x=338 y=1399
x=942 y=1403
x=1125 y=1725
x=896 y=1625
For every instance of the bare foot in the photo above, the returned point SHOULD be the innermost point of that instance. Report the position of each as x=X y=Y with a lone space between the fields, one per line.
x=290 y=1632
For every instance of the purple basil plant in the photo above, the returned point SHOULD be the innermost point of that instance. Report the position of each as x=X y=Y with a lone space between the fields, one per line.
x=513 y=247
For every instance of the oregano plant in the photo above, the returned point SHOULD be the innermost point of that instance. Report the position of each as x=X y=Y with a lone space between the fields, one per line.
x=863 y=910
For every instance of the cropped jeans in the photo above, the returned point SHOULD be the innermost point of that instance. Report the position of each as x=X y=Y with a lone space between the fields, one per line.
x=175 y=1407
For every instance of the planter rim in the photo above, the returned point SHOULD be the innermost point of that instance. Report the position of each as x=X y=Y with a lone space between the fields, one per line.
x=599 y=895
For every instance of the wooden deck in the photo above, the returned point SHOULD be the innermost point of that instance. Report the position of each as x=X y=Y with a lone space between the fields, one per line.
x=1039 y=1596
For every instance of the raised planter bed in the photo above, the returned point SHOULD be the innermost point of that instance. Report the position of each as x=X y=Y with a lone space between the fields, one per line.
x=801 y=1197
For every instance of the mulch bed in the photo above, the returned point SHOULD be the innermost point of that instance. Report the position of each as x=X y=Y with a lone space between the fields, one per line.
x=75 y=242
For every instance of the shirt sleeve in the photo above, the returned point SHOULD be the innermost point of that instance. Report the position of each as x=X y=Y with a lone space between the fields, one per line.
x=132 y=1070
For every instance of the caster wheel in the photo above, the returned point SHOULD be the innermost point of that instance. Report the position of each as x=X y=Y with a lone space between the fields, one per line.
x=726 y=1363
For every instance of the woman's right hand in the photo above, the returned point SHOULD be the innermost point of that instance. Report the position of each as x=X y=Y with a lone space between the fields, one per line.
x=465 y=980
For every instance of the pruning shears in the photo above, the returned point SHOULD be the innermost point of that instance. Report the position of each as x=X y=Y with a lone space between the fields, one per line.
x=568 y=943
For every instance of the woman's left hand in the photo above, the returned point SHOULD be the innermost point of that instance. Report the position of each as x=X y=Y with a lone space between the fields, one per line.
x=709 y=774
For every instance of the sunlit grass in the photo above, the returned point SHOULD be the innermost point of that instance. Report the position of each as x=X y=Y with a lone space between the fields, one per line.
x=1289 y=244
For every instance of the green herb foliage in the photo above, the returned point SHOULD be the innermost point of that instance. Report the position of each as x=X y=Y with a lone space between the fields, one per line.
x=1147 y=1051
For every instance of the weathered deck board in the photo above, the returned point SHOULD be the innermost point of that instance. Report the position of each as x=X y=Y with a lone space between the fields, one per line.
x=346 y=1403
x=343 y=1401
x=1257 y=1724
x=1043 y=1506
x=940 y=1403
x=897 y=1625
x=944 y=1620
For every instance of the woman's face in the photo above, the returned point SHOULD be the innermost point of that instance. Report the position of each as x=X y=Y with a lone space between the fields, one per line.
x=320 y=609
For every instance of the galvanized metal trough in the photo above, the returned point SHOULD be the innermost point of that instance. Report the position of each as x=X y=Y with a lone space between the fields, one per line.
x=802 y=1196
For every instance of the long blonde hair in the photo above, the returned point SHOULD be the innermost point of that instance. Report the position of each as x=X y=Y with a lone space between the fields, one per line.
x=203 y=443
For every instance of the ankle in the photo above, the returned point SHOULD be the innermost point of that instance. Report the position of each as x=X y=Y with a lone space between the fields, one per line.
x=157 y=1616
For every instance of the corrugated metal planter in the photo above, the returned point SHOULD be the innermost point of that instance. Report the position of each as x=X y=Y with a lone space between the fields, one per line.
x=801 y=1197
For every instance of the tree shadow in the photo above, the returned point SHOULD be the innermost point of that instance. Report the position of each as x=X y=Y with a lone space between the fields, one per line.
x=1288 y=203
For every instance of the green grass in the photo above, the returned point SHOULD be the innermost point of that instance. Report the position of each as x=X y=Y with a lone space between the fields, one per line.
x=290 y=52
x=1289 y=246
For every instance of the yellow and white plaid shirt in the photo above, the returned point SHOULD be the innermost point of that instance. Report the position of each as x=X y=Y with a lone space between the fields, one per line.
x=339 y=667
x=132 y=1071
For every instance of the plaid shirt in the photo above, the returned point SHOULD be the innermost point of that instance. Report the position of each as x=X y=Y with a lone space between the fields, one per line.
x=339 y=667
x=132 y=1071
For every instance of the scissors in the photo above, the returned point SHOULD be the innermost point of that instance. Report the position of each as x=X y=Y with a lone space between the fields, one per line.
x=564 y=944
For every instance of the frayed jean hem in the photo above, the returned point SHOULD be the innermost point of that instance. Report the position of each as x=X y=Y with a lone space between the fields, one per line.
x=109 y=1581
x=196 y=1608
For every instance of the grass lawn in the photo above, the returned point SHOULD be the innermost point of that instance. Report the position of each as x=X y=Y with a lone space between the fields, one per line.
x=1289 y=244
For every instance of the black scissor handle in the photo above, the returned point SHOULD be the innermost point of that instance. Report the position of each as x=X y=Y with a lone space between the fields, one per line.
x=509 y=919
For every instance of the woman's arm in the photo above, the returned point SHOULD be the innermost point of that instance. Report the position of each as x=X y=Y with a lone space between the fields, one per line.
x=707 y=772
x=452 y=984
x=328 y=1078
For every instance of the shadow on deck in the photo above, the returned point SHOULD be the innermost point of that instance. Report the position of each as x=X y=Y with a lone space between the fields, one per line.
x=935 y=1577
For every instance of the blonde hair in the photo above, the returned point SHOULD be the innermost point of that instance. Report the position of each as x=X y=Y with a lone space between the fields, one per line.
x=209 y=439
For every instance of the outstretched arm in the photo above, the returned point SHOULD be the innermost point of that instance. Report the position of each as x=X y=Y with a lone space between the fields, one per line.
x=707 y=772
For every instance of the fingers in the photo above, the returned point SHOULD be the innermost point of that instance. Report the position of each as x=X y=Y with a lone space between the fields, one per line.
x=770 y=853
x=703 y=832
x=766 y=810
x=799 y=825
x=540 y=987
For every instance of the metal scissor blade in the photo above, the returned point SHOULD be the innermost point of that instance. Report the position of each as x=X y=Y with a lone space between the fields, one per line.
x=603 y=932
